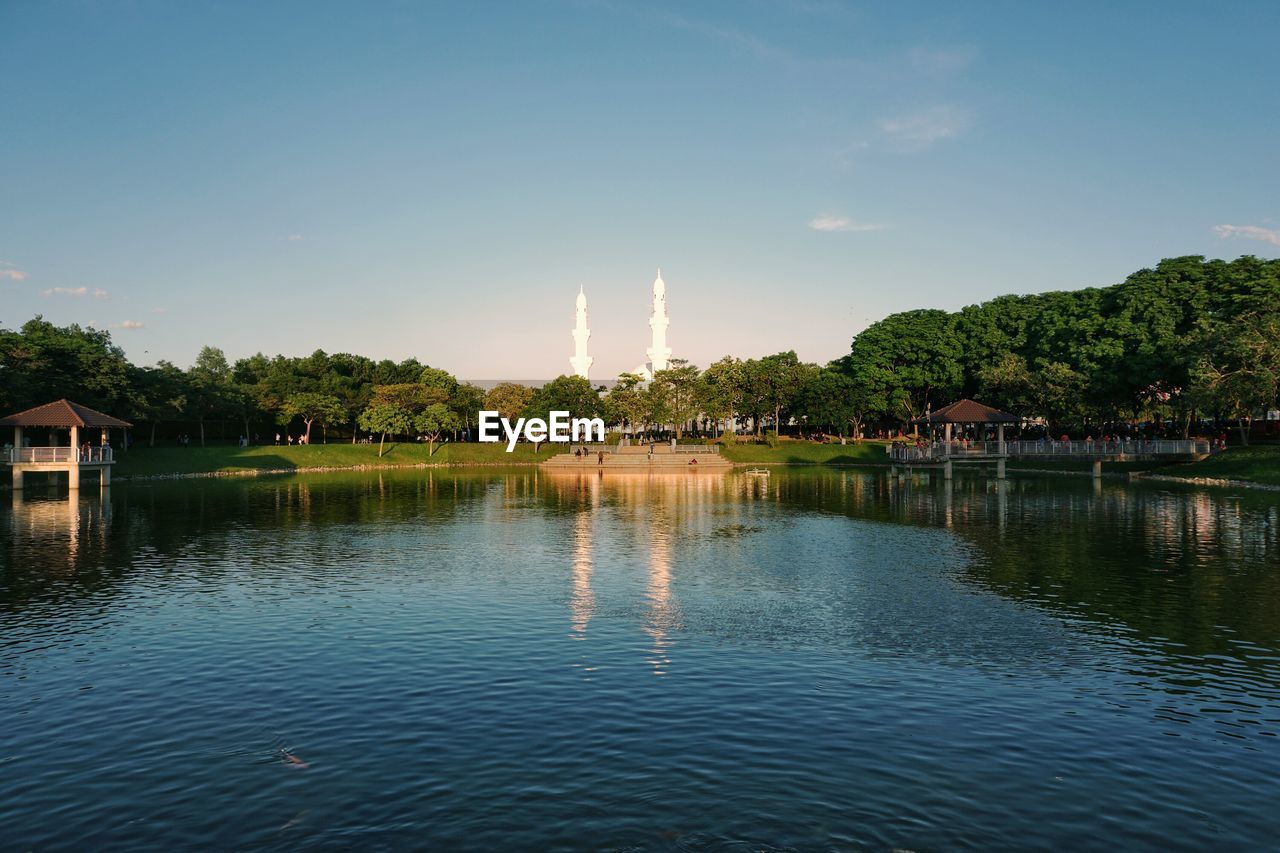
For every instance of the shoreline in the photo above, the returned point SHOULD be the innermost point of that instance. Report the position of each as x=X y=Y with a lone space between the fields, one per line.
x=1211 y=482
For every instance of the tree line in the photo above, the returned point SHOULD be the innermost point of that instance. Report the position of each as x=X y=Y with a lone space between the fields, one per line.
x=1191 y=339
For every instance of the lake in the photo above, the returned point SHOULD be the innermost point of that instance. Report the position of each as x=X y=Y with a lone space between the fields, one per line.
x=505 y=659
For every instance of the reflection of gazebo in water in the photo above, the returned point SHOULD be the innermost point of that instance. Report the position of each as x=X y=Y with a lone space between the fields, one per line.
x=77 y=455
x=940 y=453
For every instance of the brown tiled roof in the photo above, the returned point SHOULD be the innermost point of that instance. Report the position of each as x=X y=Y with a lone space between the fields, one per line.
x=968 y=412
x=62 y=413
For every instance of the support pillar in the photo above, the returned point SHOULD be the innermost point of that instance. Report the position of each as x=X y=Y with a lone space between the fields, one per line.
x=104 y=476
x=17 y=479
x=1097 y=469
x=1000 y=469
x=1000 y=439
x=73 y=477
x=946 y=467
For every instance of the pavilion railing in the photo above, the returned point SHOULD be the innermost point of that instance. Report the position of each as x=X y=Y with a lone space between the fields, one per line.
x=1117 y=447
x=59 y=455
x=940 y=451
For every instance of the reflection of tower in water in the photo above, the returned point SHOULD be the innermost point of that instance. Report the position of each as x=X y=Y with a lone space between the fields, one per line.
x=661 y=607
x=583 y=601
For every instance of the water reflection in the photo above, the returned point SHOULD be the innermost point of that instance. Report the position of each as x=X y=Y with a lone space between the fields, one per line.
x=661 y=617
x=582 y=602
x=1000 y=657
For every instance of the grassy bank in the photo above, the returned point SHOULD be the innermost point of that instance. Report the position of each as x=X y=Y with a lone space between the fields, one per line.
x=157 y=461
x=806 y=452
x=1257 y=464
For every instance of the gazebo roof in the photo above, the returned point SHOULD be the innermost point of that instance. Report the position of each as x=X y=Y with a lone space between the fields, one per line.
x=62 y=413
x=967 y=412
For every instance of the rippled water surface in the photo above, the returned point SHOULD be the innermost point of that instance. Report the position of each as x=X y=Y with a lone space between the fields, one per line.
x=511 y=660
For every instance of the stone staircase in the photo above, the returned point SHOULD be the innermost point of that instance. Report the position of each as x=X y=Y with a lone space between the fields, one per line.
x=636 y=457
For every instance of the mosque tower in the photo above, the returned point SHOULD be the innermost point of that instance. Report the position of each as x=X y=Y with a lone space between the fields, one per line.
x=659 y=354
x=581 y=362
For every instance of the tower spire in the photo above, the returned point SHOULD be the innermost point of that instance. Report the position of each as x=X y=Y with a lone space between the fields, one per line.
x=581 y=362
x=659 y=353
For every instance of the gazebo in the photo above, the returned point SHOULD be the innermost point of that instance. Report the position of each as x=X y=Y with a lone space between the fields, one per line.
x=970 y=413
x=73 y=458
x=961 y=413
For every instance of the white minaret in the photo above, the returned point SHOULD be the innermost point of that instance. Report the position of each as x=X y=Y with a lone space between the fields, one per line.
x=581 y=362
x=659 y=353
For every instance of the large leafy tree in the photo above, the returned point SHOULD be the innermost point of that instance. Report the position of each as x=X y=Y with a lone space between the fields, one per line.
x=159 y=394
x=571 y=394
x=508 y=399
x=434 y=421
x=722 y=390
x=311 y=407
x=678 y=387
x=1239 y=372
x=831 y=398
x=212 y=391
x=385 y=419
x=626 y=403
x=911 y=360
x=44 y=362
x=466 y=402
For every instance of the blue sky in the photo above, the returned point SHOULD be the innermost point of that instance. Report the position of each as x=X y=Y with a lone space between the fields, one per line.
x=406 y=179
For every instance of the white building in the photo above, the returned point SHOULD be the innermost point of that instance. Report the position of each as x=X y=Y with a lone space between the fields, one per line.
x=581 y=362
x=658 y=353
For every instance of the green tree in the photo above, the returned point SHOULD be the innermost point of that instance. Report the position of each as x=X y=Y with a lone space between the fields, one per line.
x=1008 y=384
x=435 y=420
x=386 y=419
x=831 y=398
x=625 y=403
x=311 y=407
x=1239 y=373
x=678 y=388
x=466 y=403
x=212 y=391
x=722 y=390
x=160 y=394
x=43 y=362
x=571 y=394
x=910 y=360
x=508 y=399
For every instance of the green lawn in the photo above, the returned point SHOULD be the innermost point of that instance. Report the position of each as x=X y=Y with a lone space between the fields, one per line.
x=151 y=461
x=1258 y=464
x=800 y=452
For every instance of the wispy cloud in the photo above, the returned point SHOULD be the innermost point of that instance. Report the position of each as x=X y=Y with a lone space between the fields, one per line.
x=925 y=127
x=96 y=293
x=296 y=238
x=827 y=222
x=7 y=270
x=159 y=310
x=1249 y=232
x=131 y=324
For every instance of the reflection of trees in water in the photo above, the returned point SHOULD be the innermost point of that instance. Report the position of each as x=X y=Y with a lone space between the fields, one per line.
x=1194 y=571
